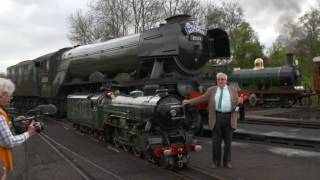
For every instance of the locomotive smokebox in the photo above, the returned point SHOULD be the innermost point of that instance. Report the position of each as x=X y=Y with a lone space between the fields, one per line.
x=290 y=59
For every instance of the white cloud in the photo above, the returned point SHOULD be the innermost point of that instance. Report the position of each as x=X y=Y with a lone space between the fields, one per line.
x=31 y=28
x=265 y=16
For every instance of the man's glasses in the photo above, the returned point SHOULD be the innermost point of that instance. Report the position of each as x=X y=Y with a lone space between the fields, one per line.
x=221 y=79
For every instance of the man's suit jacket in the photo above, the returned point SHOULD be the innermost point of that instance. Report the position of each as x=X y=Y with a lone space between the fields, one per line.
x=209 y=97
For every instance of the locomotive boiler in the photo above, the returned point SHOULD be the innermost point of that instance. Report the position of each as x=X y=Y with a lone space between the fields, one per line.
x=160 y=56
x=260 y=78
x=149 y=126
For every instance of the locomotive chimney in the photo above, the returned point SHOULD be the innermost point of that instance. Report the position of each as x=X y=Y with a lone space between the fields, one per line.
x=178 y=18
x=290 y=59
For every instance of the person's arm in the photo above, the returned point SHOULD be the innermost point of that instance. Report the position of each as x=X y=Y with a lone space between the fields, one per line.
x=7 y=139
x=197 y=100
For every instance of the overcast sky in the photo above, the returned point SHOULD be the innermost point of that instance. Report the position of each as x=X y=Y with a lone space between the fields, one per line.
x=31 y=28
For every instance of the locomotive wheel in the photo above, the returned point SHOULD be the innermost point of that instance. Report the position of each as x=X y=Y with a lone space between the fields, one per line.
x=136 y=152
x=115 y=139
x=164 y=162
x=116 y=142
x=147 y=155
x=305 y=101
x=108 y=134
x=196 y=121
x=253 y=100
x=126 y=148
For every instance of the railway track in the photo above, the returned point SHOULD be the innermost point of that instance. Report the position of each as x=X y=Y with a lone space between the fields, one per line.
x=271 y=139
x=195 y=173
x=74 y=160
x=191 y=172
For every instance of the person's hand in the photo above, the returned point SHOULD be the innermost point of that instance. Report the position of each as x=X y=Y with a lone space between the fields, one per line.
x=32 y=128
x=241 y=99
x=20 y=118
x=185 y=102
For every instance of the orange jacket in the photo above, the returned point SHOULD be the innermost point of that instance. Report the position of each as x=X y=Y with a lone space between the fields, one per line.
x=6 y=153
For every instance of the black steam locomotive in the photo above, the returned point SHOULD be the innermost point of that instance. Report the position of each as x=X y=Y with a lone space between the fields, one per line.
x=152 y=126
x=170 y=56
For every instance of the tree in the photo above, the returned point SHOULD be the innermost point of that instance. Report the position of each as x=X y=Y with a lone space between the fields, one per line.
x=112 y=16
x=310 y=23
x=82 y=29
x=276 y=55
x=170 y=8
x=107 y=19
x=146 y=13
x=3 y=75
x=228 y=16
x=116 y=18
x=309 y=46
x=190 y=7
x=245 y=45
x=301 y=38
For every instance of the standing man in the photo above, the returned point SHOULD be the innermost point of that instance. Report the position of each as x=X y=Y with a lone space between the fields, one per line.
x=223 y=113
x=7 y=139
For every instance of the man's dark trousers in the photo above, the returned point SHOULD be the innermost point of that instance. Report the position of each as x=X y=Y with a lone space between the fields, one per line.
x=222 y=131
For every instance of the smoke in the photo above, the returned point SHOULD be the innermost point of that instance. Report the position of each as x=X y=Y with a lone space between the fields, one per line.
x=273 y=17
x=289 y=31
x=283 y=15
x=273 y=6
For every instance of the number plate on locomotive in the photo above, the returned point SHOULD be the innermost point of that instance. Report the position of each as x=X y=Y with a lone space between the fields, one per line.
x=195 y=38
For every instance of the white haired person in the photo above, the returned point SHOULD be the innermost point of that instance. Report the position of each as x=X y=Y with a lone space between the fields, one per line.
x=223 y=103
x=7 y=139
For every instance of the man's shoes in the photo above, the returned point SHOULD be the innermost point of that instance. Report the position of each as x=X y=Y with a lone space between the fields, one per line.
x=228 y=165
x=214 y=165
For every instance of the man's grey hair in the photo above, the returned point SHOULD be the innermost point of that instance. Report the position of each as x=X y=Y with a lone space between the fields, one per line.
x=6 y=86
x=222 y=74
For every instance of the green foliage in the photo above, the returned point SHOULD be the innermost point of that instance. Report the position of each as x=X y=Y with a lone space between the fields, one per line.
x=228 y=16
x=308 y=46
x=245 y=45
x=2 y=75
x=277 y=55
x=301 y=38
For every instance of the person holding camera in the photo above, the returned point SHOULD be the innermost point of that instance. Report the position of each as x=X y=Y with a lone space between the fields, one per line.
x=223 y=108
x=7 y=139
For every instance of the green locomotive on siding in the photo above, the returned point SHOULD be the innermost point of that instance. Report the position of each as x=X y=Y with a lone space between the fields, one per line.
x=269 y=86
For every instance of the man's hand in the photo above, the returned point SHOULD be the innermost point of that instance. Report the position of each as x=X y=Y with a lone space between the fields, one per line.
x=32 y=128
x=20 y=118
x=241 y=99
x=185 y=102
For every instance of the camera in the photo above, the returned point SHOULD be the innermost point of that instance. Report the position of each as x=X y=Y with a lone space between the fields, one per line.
x=21 y=124
x=37 y=114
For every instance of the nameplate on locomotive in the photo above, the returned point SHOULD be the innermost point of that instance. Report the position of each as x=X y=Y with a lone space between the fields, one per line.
x=194 y=27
